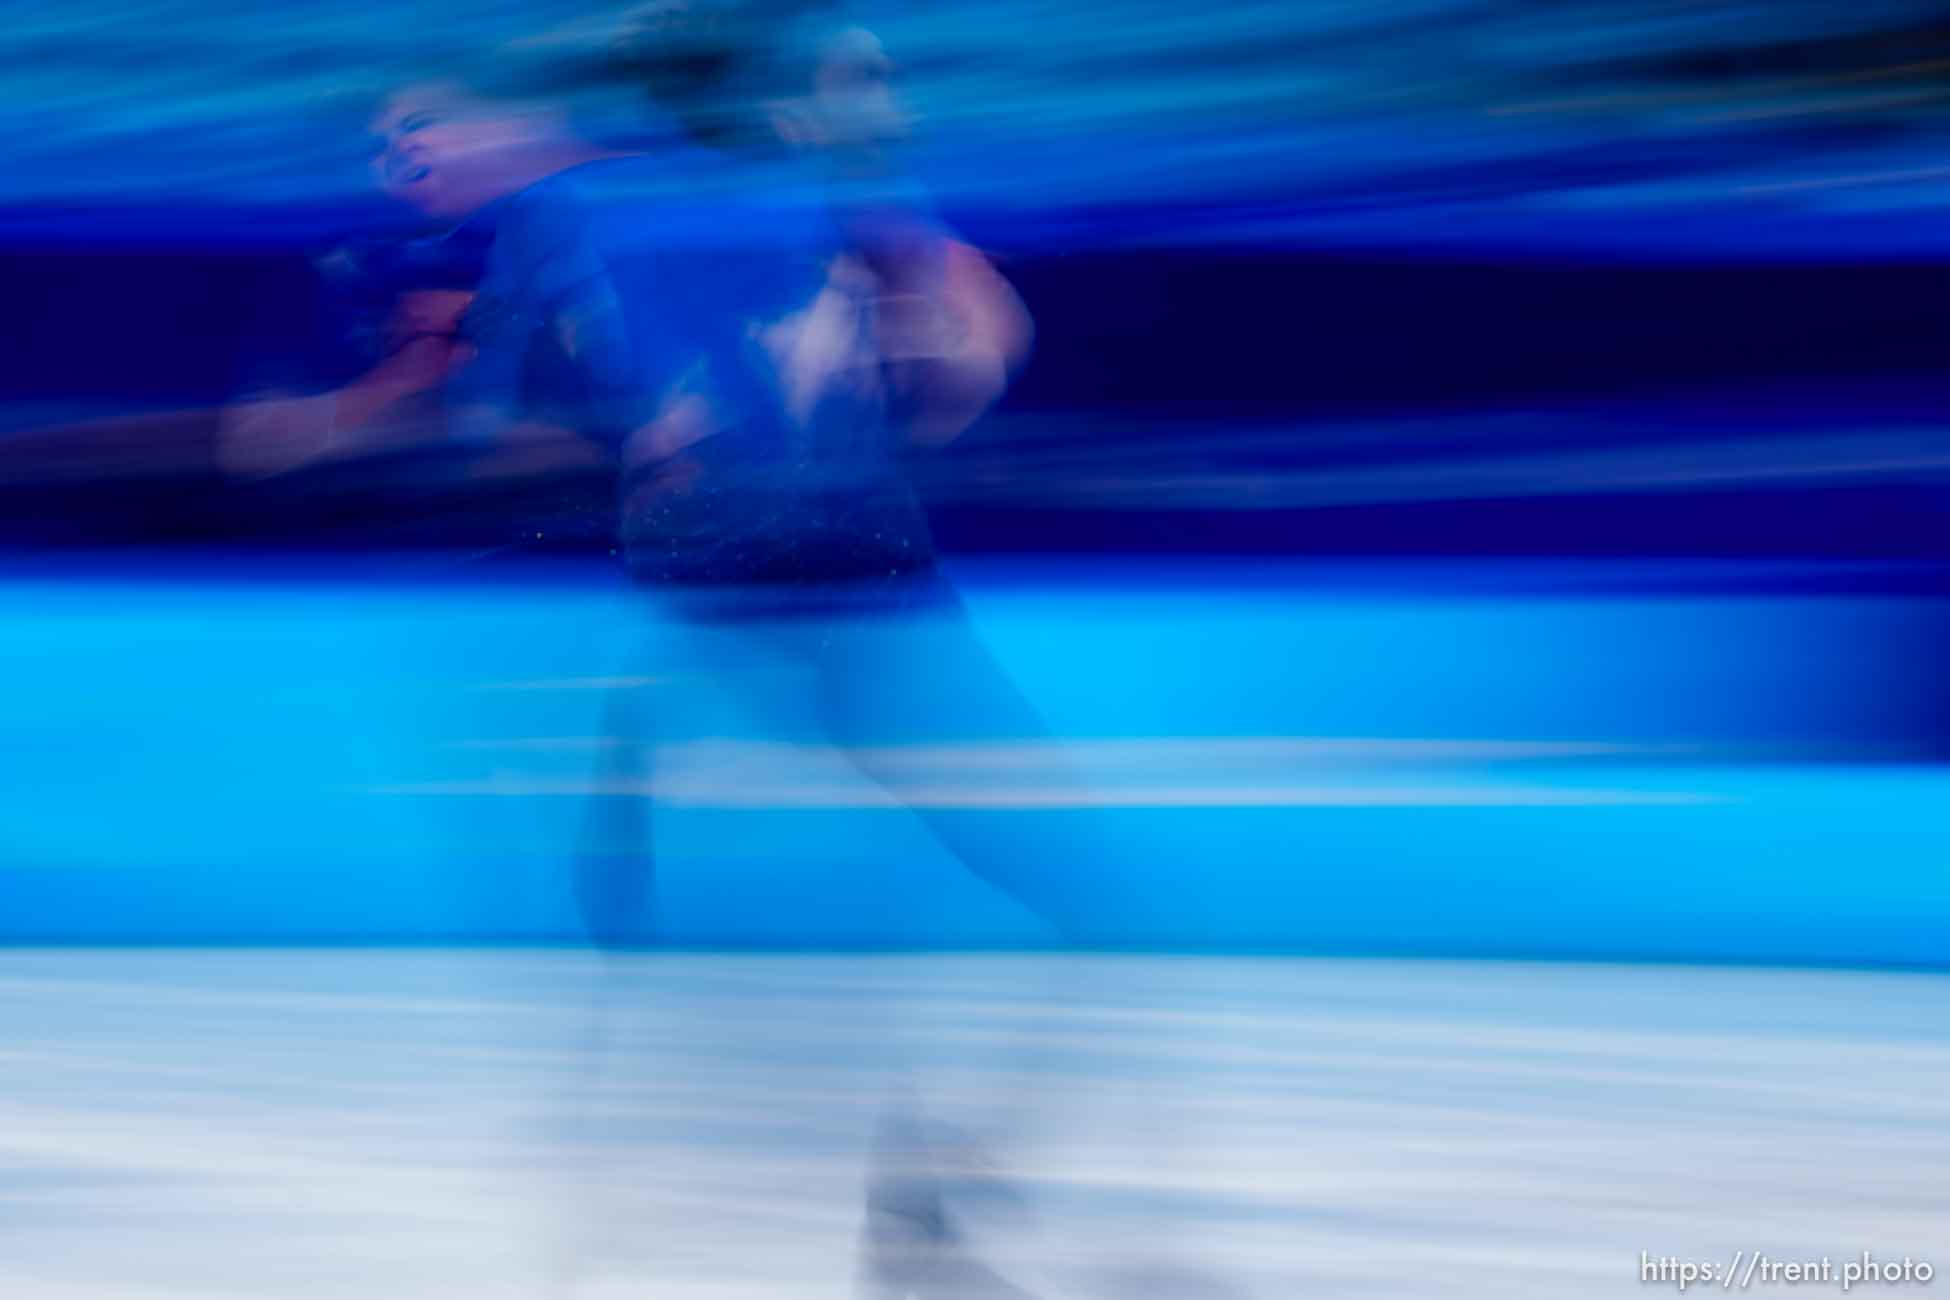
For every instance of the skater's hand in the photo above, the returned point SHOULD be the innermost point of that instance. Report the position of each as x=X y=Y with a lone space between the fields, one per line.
x=827 y=346
x=274 y=434
x=684 y=421
x=427 y=314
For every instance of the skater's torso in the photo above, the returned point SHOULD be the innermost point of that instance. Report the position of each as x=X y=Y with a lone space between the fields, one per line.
x=612 y=295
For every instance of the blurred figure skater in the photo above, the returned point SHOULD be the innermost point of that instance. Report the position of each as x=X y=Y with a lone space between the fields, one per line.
x=454 y=155
x=911 y=336
x=387 y=311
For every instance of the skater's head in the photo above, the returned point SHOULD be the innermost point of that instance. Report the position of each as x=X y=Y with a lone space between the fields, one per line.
x=833 y=88
x=752 y=76
x=689 y=56
x=449 y=148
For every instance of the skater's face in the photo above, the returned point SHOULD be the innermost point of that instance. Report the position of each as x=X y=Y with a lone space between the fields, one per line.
x=442 y=151
x=852 y=102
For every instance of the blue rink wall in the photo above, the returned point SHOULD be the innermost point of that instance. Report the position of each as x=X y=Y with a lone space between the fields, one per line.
x=1471 y=760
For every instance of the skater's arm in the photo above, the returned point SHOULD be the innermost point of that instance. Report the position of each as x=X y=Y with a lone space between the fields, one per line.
x=952 y=334
x=268 y=435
